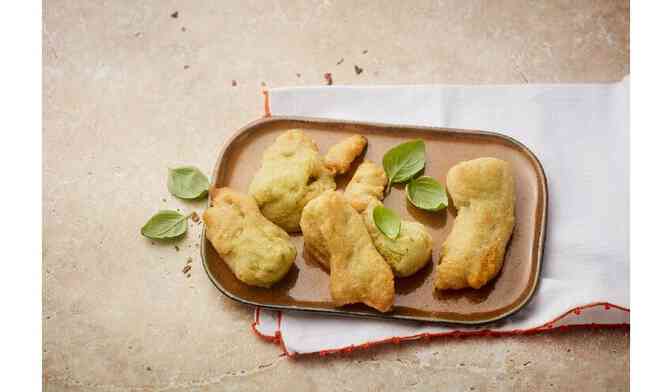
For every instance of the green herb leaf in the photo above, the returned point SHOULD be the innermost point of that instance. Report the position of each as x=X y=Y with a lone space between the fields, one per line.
x=404 y=161
x=188 y=182
x=387 y=221
x=166 y=224
x=427 y=193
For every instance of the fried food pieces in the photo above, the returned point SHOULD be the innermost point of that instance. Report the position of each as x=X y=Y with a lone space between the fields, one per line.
x=358 y=271
x=258 y=252
x=406 y=254
x=367 y=185
x=340 y=155
x=292 y=173
x=483 y=192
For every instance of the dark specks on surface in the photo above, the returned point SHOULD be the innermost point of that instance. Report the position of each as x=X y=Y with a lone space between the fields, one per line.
x=358 y=70
x=328 y=79
x=175 y=14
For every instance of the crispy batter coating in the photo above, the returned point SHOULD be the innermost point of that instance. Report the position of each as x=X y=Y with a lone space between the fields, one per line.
x=340 y=155
x=334 y=231
x=406 y=254
x=292 y=173
x=483 y=191
x=367 y=184
x=258 y=252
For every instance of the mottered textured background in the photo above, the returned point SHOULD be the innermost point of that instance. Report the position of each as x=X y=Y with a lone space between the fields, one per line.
x=132 y=88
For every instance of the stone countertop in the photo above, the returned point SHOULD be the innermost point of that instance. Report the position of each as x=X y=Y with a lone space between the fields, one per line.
x=132 y=88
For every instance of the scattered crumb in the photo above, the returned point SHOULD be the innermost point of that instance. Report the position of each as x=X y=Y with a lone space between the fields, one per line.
x=569 y=350
x=184 y=28
x=195 y=217
x=340 y=61
x=358 y=70
x=163 y=199
x=177 y=248
x=461 y=364
x=527 y=363
x=138 y=34
x=365 y=51
x=189 y=260
x=149 y=369
x=298 y=75
x=328 y=79
x=130 y=347
x=188 y=276
x=186 y=269
x=186 y=67
x=472 y=388
x=175 y=15
x=152 y=242
x=234 y=83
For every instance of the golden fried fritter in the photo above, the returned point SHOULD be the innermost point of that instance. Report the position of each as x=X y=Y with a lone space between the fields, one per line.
x=483 y=192
x=340 y=155
x=358 y=271
x=407 y=253
x=258 y=252
x=292 y=173
x=366 y=185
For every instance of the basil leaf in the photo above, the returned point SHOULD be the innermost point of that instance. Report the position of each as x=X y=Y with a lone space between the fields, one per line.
x=426 y=193
x=387 y=221
x=404 y=161
x=166 y=224
x=187 y=182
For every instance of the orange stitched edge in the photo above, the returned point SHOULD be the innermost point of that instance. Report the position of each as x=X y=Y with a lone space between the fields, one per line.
x=548 y=326
x=269 y=338
x=267 y=103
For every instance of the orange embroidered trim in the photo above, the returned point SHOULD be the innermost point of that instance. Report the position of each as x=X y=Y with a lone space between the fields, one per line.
x=267 y=103
x=277 y=338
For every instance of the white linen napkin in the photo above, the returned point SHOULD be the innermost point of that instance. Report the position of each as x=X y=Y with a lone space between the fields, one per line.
x=579 y=132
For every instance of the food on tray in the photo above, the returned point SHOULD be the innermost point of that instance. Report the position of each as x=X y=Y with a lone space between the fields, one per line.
x=483 y=192
x=335 y=232
x=258 y=252
x=366 y=185
x=292 y=173
x=407 y=253
x=341 y=155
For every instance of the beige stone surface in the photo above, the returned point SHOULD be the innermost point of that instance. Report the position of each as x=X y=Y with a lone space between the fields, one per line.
x=130 y=91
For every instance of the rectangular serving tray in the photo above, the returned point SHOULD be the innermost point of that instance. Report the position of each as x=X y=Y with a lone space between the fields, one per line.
x=306 y=286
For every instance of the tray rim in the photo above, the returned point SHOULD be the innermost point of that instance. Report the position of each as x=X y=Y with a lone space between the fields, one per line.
x=384 y=316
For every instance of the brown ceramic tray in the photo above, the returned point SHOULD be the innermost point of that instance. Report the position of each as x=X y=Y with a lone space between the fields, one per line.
x=306 y=286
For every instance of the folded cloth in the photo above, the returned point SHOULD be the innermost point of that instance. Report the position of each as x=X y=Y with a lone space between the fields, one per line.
x=580 y=133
